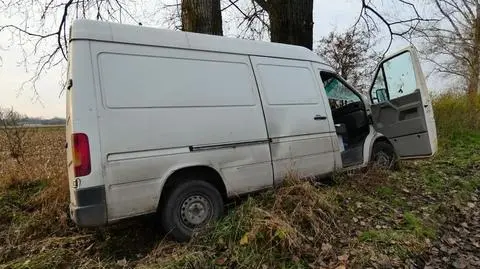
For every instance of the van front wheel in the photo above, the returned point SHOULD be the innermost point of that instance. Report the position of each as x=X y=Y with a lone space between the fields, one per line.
x=384 y=156
x=189 y=206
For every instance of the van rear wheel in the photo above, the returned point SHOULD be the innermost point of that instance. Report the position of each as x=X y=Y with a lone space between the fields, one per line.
x=189 y=206
x=384 y=156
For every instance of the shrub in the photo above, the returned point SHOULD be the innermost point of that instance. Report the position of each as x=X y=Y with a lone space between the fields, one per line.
x=455 y=114
x=16 y=134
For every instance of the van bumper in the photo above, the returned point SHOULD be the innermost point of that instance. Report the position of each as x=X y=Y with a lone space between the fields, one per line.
x=90 y=208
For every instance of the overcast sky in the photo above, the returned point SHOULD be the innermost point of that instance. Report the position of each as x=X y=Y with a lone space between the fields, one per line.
x=328 y=16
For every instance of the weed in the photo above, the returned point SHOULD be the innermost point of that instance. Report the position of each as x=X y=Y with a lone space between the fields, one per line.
x=415 y=224
x=385 y=191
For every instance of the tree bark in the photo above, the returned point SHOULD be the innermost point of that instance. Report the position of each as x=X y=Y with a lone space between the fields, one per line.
x=473 y=86
x=202 y=16
x=291 y=21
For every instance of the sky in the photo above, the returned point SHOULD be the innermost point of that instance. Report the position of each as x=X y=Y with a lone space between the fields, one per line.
x=50 y=100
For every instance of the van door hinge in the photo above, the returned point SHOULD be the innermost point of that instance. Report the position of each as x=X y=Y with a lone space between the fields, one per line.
x=69 y=84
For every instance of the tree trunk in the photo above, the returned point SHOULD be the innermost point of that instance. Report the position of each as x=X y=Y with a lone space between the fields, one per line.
x=291 y=21
x=473 y=86
x=202 y=16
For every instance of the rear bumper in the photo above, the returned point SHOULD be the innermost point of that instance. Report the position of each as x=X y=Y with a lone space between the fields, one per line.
x=90 y=208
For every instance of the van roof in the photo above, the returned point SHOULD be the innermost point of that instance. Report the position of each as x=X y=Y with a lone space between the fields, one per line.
x=123 y=33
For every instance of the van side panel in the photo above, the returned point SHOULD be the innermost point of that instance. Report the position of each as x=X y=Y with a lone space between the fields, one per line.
x=296 y=117
x=163 y=109
x=87 y=198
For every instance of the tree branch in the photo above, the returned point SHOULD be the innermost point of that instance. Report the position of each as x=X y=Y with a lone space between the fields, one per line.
x=263 y=4
x=367 y=9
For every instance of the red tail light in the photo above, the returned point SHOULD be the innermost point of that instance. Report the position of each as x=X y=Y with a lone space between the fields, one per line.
x=81 y=155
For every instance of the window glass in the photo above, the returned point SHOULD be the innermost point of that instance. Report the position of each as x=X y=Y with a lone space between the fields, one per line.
x=338 y=93
x=400 y=75
x=396 y=75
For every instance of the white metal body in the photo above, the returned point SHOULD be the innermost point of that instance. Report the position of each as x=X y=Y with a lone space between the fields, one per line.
x=155 y=101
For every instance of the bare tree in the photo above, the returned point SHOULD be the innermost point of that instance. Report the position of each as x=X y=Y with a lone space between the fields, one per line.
x=202 y=16
x=403 y=25
x=16 y=135
x=351 y=54
x=452 y=44
x=251 y=19
x=291 y=21
x=40 y=28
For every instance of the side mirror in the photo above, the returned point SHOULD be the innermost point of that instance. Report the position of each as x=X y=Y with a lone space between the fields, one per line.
x=381 y=95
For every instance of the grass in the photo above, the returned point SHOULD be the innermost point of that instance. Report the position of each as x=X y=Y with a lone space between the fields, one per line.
x=366 y=218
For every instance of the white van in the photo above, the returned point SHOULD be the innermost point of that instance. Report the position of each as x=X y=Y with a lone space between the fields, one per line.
x=176 y=123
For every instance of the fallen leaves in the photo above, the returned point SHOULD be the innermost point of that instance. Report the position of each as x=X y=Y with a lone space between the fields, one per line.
x=244 y=239
x=220 y=261
x=326 y=247
x=459 y=246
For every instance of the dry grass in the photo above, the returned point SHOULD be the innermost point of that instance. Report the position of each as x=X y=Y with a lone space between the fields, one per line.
x=358 y=219
x=455 y=113
x=26 y=184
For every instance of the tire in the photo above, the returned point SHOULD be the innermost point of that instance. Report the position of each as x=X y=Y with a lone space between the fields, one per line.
x=384 y=156
x=189 y=205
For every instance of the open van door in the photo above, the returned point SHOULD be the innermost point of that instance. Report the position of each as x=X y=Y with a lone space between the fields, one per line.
x=401 y=106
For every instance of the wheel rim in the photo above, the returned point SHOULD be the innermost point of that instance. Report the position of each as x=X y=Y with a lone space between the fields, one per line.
x=195 y=210
x=382 y=159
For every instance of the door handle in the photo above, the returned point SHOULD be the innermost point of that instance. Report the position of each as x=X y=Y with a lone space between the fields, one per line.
x=318 y=117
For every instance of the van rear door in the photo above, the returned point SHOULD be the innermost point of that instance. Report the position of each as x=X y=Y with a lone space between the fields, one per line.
x=401 y=105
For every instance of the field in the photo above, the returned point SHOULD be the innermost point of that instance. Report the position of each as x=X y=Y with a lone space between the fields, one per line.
x=426 y=215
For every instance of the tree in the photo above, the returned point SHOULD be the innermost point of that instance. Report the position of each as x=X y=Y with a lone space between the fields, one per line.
x=291 y=21
x=452 y=44
x=202 y=16
x=16 y=135
x=351 y=54
x=403 y=25
x=40 y=28
x=252 y=19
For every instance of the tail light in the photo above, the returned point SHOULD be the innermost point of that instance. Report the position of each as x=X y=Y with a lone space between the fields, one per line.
x=81 y=154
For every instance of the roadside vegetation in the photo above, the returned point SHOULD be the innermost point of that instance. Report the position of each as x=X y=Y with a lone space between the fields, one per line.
x=425 y=214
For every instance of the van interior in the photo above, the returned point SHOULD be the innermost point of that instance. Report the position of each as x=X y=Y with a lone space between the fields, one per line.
x=350 y=118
